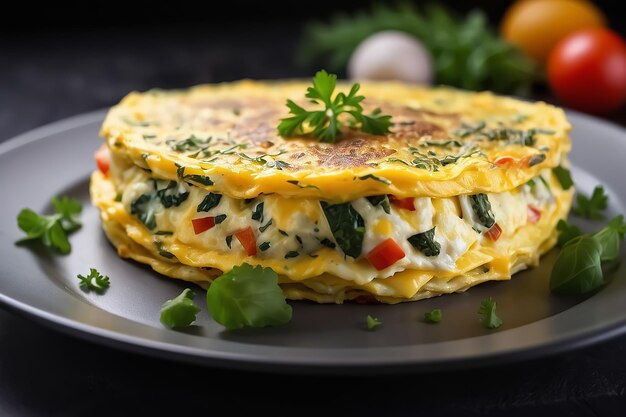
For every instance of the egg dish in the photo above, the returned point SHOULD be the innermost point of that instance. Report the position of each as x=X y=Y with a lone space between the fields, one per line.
x=463 y=190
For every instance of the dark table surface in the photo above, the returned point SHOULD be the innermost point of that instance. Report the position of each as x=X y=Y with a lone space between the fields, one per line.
x=44 y=372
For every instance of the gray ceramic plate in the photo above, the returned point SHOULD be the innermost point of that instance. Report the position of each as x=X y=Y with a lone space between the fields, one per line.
x=57 y=160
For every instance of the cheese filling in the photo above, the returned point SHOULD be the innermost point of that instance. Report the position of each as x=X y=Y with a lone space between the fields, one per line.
x=288 y=232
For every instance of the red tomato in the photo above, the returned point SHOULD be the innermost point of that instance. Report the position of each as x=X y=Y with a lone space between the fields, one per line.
x=534 y=214
x=587 y=70
x=494 y=233
x=247 y=239
x=202 y=224
x=503 y=160
x=103 y=158
x=385 y=254
x=405 y=203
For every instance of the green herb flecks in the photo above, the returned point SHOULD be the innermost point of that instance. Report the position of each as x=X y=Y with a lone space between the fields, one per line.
x=192 y=143
x=300 y=185
x=347 y=227
x=381 y=201
x=592 y=208
x=433 y=316
x=372 y=322
x=209 y=201
x=180 y=311
x=248 y=296
x=95 y=281
x=229 y=241
x=162 y=251
x=563 y=176
x=490 y=319
x=375 y=178
x=257 y=213
x=425 y=243
x=200 y=179
x=444 y=144
x=264 y=246
x=292 y=254
x=51 y=230
x=325 y=123
x=265 y=226
x=482 y=208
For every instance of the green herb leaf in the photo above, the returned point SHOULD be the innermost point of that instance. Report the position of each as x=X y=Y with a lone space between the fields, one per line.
x=248 y=296
x=564 y=177
x=425 y=243
x=300 y=185
x=52 y=229
x=490 y=319
x=592 y=208
x=433 y=316
x=180 y=311
x=577 y=270
x=347 y=226
x=372 y=322
x=482 y=207
x=257 y=213
x=292 y=254
x=567 y=232
x=264 y=246
x=380 y=200
x=95 y=281
x=375 y=178
x=325 y=124
x=209 y=201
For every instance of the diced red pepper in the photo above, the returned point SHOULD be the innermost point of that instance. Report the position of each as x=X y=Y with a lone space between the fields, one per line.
x=494 y=233
x=503 y=160
x=404 y=203
x=103 y=158
x=247 y=239
x=202 y=224
x=385 y=254
x=534 y=214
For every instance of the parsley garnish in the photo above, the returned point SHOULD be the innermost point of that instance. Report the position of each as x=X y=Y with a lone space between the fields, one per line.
x=380 y=200
x=578 y=269
x=487 y=309
x=95 y=281
x=372 y=322
x=325 y=123
x=51 y=229
x=180 y=311
x=375 y=178
x=300 y=185
x=592 y=208
x=248 y=296
x=433 y=316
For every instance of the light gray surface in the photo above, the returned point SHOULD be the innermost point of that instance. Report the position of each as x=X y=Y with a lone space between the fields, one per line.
x=57 y=160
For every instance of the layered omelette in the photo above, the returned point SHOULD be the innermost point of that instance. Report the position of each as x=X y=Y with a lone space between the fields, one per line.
x=462 y=190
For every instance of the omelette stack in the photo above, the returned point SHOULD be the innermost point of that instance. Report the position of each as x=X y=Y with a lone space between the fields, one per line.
x=461 y=191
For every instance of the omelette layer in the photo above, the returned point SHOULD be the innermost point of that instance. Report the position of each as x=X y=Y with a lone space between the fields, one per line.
x=463 y=186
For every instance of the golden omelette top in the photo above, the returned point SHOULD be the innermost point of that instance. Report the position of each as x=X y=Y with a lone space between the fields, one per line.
x=444 y=142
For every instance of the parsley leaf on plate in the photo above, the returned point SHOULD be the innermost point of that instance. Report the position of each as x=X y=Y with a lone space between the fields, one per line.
x=325 y=123
x=180 y=311
x=51 y=229
x=592 y=207
x=248 y=296
x=433 y=316
x=487 y=309
x=372 y=322
x=95 y=281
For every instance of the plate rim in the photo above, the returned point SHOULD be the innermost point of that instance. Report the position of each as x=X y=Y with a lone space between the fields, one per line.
x=249 y=361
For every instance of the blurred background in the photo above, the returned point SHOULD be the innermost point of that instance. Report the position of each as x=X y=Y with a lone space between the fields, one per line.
x=69 y=57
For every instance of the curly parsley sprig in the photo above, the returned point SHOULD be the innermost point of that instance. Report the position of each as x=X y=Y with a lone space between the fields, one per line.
x=95 y=281
x=325 y=124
